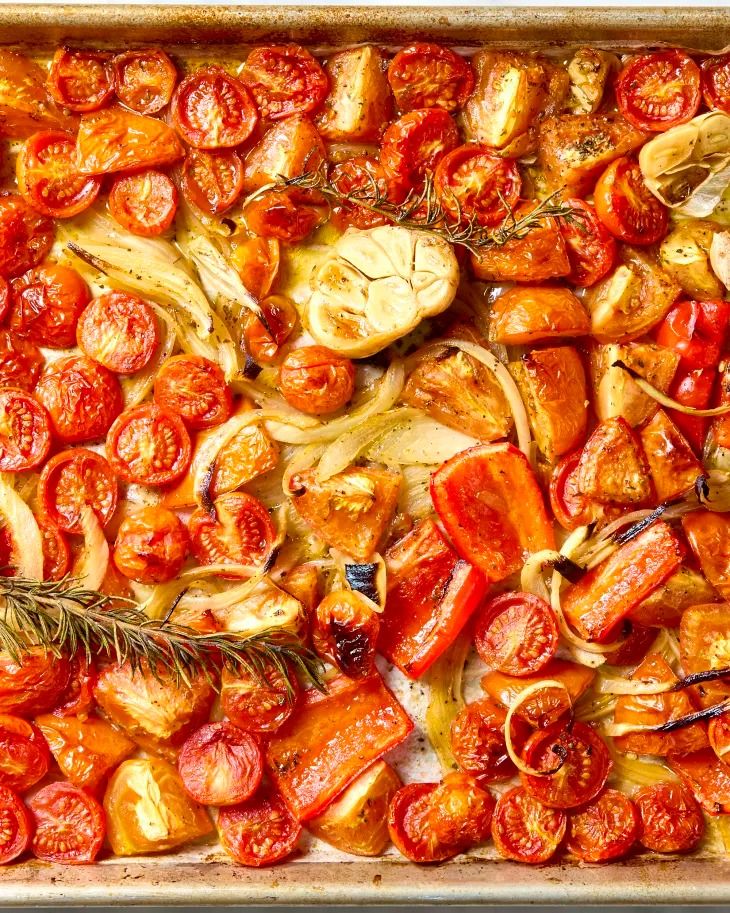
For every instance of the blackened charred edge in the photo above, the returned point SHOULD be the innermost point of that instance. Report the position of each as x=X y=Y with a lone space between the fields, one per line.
x=707 y=713
x=568 y=568
x=84 y=255
x=205 y=499
x=702 y=488
x=697 y=678
x=630 y=371
x=636 y=528
x=251 y=368
x=362 y=577
x=173 y=605
x=271 y=559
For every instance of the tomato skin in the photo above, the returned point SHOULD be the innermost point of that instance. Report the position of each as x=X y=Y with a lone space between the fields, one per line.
x=571 y=508
x=48 y=178
x=144 y=203
x=25 y=105
x=346 y=630
x=715 y=74
x=21 y=362
x=195 y=389
x=81 y=80
x=408 y=828
x=707 y=777
x=16 y=826
x=33 y=685
x=72 y=479
x=643 y=96
x=243 y=532
x=118 y=140
x=56 y=551
x=718 y=732
x=613 y=468
x=257 y=707
x=4 y=299
x=525 y=830
x=24 y=757
x=82 y=397
x=413 y=145
x=426 y=75
x=69 y=825
x=289 y=148
x=472 y=182
x=316 y=380
x=151 y=545
x=524 y=315
x=626 y=206
x=144 y=80
x=47 y=303
x=25 y=440
x=674 y=467
x=119 y=331
x=264 y=344
x=361 y=176
x=26 y=236
x=148 y=445
x=516 y=633
x=221 y=764
x=477 y=740
x=707 y=534
x=78 y=698
x=284 y=80
x=257 y=263
x=260 y=832
x=692 y=388
x=671 y=819
x=288 y=215
x=604 y=830
x=213 y=110
x=591 y=248
x=696 y=329
x=212 y=181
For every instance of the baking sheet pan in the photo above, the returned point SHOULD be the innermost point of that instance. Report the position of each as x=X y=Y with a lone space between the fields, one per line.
x=198 y=875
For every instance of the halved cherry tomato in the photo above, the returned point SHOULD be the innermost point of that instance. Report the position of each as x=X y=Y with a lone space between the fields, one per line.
x=571 y=508
x=477 y=740
x=221 y=764
x=25 y=431
x=213 y=110
x=692 y=388
x=409 y=827
x=119 y=140
x=256 y=705
x=591 y=247
x=413 y=145
x=21 y=362
x=56 y=552
x=16 y=826
x=707 y=777
x=48 y=176
x=715 y=76
x=627 y=207
x=144 y=80
x=119 y=331
x=144 y=203
x=25 y=105
x=78 y=698
x=257 y=261
x=523 y=315
x=612 y=467
x=47 y=303
x=151 y=545
x=240 y=533
x=287 y=215
x=473 y=183
x=316 y=380
x=212 y=181
x=696 y=329
x=260 y=832
x=34 y=684
x=426 y=75
x=361 y=176
x=263 y=343
x=284 y=79
x=580 y=759
x=604 y=830
x=195 y=389
x=24 y=756
x=148 y=445
x=69 y=824
x=81 y=80
x=82 y=397
x=671 y=819
x=345 y=632
x=516 y=633
x=26 y=236
x=658 y=91
x=74 y=479
x=473 y=496
x=525 y=830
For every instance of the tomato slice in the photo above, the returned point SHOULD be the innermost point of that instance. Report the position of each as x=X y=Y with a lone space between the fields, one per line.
x=605 y=829
x=21 y=362
x=144 y=203
x=56 y=551
x=696 y=329
x=78 y=698
x=33 y=685
x=287 y=215
x=119 y=331
x=47 y=303
x=221 y=764
x=516 y=633
x=613 y=467
x=715 y=77
x=362 y=176
x=74 y=479
x=24 y=757
x=658 y=91
x=674 y=467
x=571 y=508
x=707 y=777
x=260 y=832
x=316 y=380
x=148 y=445
x=523 y=315
x=212 y=181
x=144 y=80
x=263 y=343
x=426 y=75
x=413 y=145
x=345 y=631
x=258 y=706
x=213 y=110
x=289 y=148
x=525 y=830
x=151 y=545
x=590 y=246
x=118 y=140
x=477 y=740
x=472 y=183
x=69 y=824
x=627 y=207
x=48 y=177
x=16 y=826
x=241 y=532
x=284 y=79
x=194 y=388
x=409 y=826
x=82 y=397
x=671 y=819
x=26 y=236
x=473 y=496
x=25 y=432
x=81 y=80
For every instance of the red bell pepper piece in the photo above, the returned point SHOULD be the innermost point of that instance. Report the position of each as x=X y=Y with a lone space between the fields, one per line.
x=692 y=388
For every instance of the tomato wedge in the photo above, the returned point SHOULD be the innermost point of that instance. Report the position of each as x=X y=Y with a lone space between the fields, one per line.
x=696 y=330
x=658 y=91
x=473 y=496
x=715 y=76
x=413 y=145
x=117 y=140
x=81 y=80
x=212 y=181
x=707 y=533
x=256 y=705
x=46 y=304
x=692 y=388
x=472 y=182
x=571 y=508
x=605 y=829
x=25 y=431
x=221 y=764
x=119 y=331
x=69 y=824
x=260 y=832
x=16 y=826
x=144 y=80
x=591 y=248
x=241 y=532
x=25 y=105
x=627 y=207
x=144 y=203
x=24 y=756
x=426 y=75
x=284 y=79
x=72 y=480
x=21 y=362
x=707 y=777
x=671 y=819
x=26 y=236
x=525 y=830
x=151 y=545
x=48 y=176
x=194 y=388
x=213 y=110
x=613 y=468
x=516 y=633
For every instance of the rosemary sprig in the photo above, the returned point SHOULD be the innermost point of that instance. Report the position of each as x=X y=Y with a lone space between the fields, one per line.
x=64 y=616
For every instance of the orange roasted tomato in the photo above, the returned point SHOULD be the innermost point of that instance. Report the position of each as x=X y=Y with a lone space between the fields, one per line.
x=213 y=110
x=118 y=140
x=263 y=343
x=361 y=176
x=258 y=705
x=151 y=545
x=26 y=236
x=148 y=445
x=24 y=757
x=81 y=80
x=289 y=148
x=425 y=75
x=239 y=531
x=257 y=262
x=473 y=183
x=658 y=91
x=25 y=431
x=605 y=829
x=69 y=824
x=316 y=380
x=33 y=685
x=671 y=819
x=144 y=80
x=626 y=206
x=221 y=764
x=284 y=79
x=715 y=76
x=413 y=145
x=523 y=315
x=259 y=832
x=46 y=305
x=590 y=246
x=708 y=536
x=119 y=331
x=525 y=830
x=195 y=389
x=21 y=362
x=478 y=743
x=56 y=551
x=25 y=105
x=144 y=203
x=212 y=181
x=288 y=215
x=516 y=633
x=612 y=467
x=48 y=177
x=73 y=480
x=346 y=628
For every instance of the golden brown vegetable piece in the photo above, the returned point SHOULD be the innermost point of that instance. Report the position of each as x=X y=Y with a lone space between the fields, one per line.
x=664 y=607
x=345 y=632
x=709 y=535
x=674 y=467
x=25 y=105
x=360 y=102
x=356 y=822
x=287 y=149
x=704 y=643
x=589 y=71
x=524 y=315
x=685 y=256
x=553 y=387
x=612 y=467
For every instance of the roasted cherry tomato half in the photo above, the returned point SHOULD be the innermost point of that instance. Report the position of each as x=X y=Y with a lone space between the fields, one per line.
x=213 y=110
x=460 y=812
x=715 y=75
x=718 y=732
x=21 y=362
x=221 y=764
x=671 y=819
x=194 y=388
x=212 y=181
x=48 y=177
x=516 y=633
x=33 y=685
x=78 y=698
x=363 y=177
x=72 y=480
x=525 y=830
x=24 y=756
x=81 y=80
x=288 y=215
x=144 y=203
x=316 y=380
x=26 y=236
x=591 y=248
x=240 y=533
x=410 y=828
x=284 y=79
x=263 y=343
x=256 y=706
x=426 y=75
x=473 y=183
x=696 y=329
x=47 y=303
x=477 y=740
x=16 y=826
x=144 y=80
x=605 y=829
x=119 y=331
x=257 y=262
x=627 y=207
x=25 y=431
x=259 y=832
x=658 y=91
x=571 y=508
x=151 y=545
x=56 y=551
x=413 y=145
x=345 y=631
x=69 y=824
x=149 y=445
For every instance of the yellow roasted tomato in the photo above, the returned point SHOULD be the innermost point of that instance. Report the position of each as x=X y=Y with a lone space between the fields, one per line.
x=360 y=102
x=523 y=315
